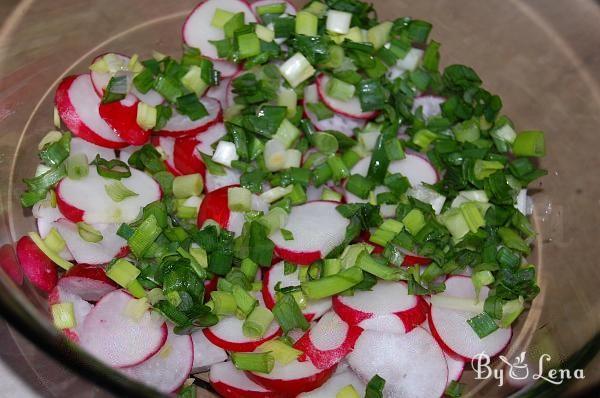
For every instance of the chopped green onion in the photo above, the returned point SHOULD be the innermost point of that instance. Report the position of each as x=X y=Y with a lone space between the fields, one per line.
x=320 y=110
x=118 y=192
x=331 y=195
x=351 y=253
x=325 y=143
x=249 y=45
x=298 y=195
x=275 y=194
x=257 y=322
x=287 y=133
x=338 y=21
x=144 y=235
x=274 y=155
x=186 y=212
x=282 y=352
x=168 y=87
x=244 y=300
x=55 y=241
x=235 y=22
x=288 y=98
x=88 y=233
x=483 y=324
x=454 y=389
x=265 y=34
x=529 y=143
x=378 y=35
x=333 y=284
x=56 y=259
x=249 y=268
x=485 y=168
x=122 y=272
x=239 y=199
x=306 y=23
x=63 y=315
x=512 y=239
x=50 y=138
x=317 y=8
x=136 y=308
x=339 y=89
x=338 y=168
x=414 y=221
x=220 y=17
x=511 y=311
x=224 y=303
x=370 y=265
x=455 y=222
x=225 y=153
x=472 y=215
x=457 y=303
x=359 y=186
x=193 y=81
x=191 y=106
x=288 y=314
x=375 y=387
x=287 y=235
x=136 y=289
x=423 y=138
x=116 y=89
x=347 y=392
x=296 y=69
x=275 y=8
x=331 y=266
x=482 y=278
x=187 y=186
x=262 y=362
x=114 y=169
x=467 y=131
x=146 y=116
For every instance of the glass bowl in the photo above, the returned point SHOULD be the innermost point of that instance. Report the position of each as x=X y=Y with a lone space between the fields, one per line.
x=541 y=57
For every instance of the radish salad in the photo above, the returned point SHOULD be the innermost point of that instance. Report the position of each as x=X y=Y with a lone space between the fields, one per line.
x=304 y=203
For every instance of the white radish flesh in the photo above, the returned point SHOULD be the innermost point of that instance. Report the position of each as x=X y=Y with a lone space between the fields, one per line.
x=337 y=122
x=451 y=329
x=350 y=108
x=335 y=384
x=89 y=196
x=412 y=364
x=168 y=368
x=180 y=125
x=90 y=150
x=214 y=181
x=226 y=68
x=209 y=137
x=81 y=309
x=317 y=228
x=206 y=353
x=197 y=29
x=314 y=308
x=430 y=105
x=85 y=252
x=115 y=338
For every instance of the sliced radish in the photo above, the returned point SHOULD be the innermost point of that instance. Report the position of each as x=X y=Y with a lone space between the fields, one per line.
x=38 y=268
x=453 y=333
x=197 y=30
x=90 y=150
x=214 y=181
x=102 y=252
x=77 y=105
x=456 y=365
x=229 y=94
x=207 y=138
x=81 y=309
x=168 y=368
x=329 y=341
x=117 y=339
x=226 y=68
x=182 y=126
x=125 y=153
x=167 y=147
x=387 y=307
x=100 y=81
x=338 y=122
x=122 y=117
x=186 y=157
x=206 y=353
x=210 y=285
x=228 y=335
x=230 y=382
x=412 y=364
x=219 y=92
x=350 y=108
x=314 y=308
x=294 y=378
x=290 y=9
x=96 y=206
x=430 y=105
x=317 y=228
x=87 y=281
x=335 y=384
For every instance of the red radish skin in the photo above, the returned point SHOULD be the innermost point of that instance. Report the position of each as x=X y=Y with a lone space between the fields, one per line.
x=293 y=378
x=228 y=335
x=454 y=334
x=115 y=338
x=87 y=281
x=197 y=31
x=329 y=341
x=10 y=264
x=351 y=108
x=412 y=364
x=338 y=381
x=71 y=213
x=230 y=382
x=167 y=145
x=186 y=160
x=182 y=126
x=314 y=309
x=206 y=353
x=81 y=309
x=411 y=312
x=169 y=368
x=215 y=207
x=317 y=228
x=37 y=267
x=210 y=285
x=82 y=118
x=122 y=117
x=338 y=122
